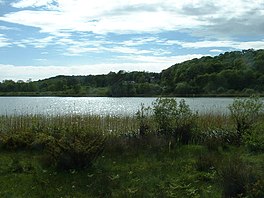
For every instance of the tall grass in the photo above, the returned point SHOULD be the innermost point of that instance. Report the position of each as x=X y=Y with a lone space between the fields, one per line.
x=212 y=120
x=108 y=125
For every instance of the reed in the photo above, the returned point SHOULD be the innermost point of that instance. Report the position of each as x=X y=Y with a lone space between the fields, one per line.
x=211 y=120
x=108 y=125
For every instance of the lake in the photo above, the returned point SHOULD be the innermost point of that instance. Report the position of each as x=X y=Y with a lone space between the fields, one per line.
x=98 y=105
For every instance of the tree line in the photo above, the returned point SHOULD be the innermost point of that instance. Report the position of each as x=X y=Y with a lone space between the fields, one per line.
x=230 y=73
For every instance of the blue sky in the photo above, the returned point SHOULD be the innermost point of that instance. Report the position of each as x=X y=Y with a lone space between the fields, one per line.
x=45 y=38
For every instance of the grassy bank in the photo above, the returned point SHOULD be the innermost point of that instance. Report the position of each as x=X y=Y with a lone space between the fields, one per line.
x=179 y=173
x=94 y=156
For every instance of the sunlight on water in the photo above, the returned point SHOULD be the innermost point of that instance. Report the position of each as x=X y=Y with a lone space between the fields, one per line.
x=98 y=105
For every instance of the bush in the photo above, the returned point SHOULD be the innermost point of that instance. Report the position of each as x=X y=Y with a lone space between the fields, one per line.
x=75 y=150
x=14 y=141
x=254 y=139
x=245 y=113
x=174 y=119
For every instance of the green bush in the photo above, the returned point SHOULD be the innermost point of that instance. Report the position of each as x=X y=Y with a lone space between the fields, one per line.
x=174 y=119
x=74 y=150
x=19 y=140
x=245 y=113
x=254 y=139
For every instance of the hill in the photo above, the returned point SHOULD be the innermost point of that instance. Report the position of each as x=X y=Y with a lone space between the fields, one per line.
x=231 y=73
x=235 y=72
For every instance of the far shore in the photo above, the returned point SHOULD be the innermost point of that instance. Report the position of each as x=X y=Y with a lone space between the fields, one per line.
x=53 y=94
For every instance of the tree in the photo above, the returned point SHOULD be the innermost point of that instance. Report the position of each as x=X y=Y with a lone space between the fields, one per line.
x=183 y=88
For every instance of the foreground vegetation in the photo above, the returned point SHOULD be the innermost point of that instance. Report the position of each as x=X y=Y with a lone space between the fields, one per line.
x=164 y=151
x=238 y=73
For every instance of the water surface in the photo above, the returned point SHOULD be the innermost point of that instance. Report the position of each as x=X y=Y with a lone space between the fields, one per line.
x=98 y=105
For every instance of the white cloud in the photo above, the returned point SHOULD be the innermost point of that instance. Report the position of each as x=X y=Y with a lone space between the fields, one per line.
x=104 y=16
x=62 y=18
x=216 y=51
x=33 y=3
x=4 y=27
x=223 y=44
x=41 y=72
x=250 y=44
x=36 y=42
x=4 y=42
x=41 y=59
x=81 y=46
x=127 y=50
x=78 y=50
x=141 y=41
x=162 y=60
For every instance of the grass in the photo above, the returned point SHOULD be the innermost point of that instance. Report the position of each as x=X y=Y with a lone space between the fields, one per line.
x=131 y=165
x=36 y=123
x=146 y=174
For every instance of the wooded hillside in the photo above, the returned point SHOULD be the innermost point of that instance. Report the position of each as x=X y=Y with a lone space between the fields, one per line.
x=231 y=73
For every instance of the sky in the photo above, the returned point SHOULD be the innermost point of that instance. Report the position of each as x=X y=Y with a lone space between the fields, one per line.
x=44 y=38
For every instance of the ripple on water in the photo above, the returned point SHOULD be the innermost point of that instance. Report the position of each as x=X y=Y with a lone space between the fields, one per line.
x=98 y=105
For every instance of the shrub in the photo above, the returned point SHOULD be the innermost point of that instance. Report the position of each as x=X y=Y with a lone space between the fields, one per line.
x=254 y=139
x=75 y=150
x=14 y=141
x=245 y=112
x=174 y=119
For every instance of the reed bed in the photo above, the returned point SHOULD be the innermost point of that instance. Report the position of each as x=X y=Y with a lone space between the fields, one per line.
x=212 y=120
x=111 y=126
x=108 y=125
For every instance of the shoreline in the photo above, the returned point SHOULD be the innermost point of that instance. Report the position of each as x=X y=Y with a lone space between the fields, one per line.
x=25 y=94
